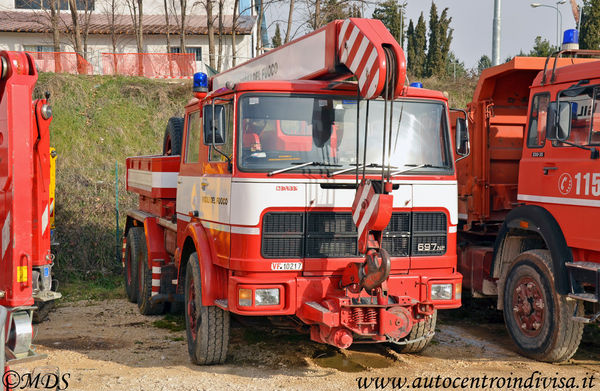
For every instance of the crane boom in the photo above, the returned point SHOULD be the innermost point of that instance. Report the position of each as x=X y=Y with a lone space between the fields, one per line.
x=358 y=47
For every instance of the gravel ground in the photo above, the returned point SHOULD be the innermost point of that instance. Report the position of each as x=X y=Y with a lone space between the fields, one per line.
x=108 y=345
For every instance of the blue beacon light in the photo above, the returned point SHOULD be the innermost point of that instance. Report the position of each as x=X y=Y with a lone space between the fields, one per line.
x=417 y=84
x=570 y=40
x=200 y=82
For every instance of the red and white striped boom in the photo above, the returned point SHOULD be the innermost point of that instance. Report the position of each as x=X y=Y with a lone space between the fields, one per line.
x=344 y=48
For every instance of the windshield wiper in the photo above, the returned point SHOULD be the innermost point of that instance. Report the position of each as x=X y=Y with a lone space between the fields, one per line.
x=370 y=165
x=414 y=167
x=300 y=165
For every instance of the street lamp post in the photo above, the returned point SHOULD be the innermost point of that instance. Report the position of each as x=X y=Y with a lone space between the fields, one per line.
x=558 y=14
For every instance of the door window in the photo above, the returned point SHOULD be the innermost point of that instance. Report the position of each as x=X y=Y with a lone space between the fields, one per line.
x=537 y=123
x=192 y=154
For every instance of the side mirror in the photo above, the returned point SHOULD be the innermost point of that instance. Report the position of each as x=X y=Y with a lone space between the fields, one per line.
x=558 y=126
x=463 y=144
x=214 y=125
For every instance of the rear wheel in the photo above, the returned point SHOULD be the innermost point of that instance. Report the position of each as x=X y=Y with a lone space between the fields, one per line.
x=207 y=327
x=173 y=136
x=421 y=333
x=538 y=319
x=145 y=287
x=133 y=252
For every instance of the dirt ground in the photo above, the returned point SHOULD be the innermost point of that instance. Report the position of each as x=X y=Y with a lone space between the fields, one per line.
x=108 y=345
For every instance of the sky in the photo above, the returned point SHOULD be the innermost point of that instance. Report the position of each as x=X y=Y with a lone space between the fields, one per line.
x=472 y=23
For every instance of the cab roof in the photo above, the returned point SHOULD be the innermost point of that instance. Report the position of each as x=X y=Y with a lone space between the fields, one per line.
x=322 y=86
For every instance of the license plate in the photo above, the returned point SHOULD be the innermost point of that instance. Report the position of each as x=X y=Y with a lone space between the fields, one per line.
x=283 y=266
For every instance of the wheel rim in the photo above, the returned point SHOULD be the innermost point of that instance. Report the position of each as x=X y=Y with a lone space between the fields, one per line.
x=191 y=309
x=529 y=308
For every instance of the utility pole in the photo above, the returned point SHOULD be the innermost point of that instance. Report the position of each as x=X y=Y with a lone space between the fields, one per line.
x=496 y=33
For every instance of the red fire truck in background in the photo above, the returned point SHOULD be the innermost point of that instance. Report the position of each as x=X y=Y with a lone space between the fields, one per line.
x=288 y=175
x=24 y=205
x=528 y=200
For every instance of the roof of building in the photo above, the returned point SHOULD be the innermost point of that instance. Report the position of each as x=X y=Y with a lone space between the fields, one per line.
x=39 y=22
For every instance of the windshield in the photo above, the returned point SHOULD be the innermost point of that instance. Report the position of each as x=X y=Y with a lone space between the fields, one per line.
x=285 y=131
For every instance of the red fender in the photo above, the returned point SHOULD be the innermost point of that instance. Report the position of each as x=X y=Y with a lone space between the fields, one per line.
x=214 y=278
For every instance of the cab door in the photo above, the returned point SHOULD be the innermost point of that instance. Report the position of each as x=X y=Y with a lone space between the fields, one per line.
x=204 y=185
x=565 y=178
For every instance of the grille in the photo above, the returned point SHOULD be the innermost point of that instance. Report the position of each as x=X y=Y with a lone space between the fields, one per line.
x=396 y=237
x=427 y=245
x=283 y=235
x=429 y=222
x=429 y=234
x=331 y=235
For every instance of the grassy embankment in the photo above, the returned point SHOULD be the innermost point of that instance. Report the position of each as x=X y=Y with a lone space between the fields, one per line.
x=100 y=120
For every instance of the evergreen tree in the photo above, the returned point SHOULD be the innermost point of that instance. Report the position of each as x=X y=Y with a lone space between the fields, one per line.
x=483 y=63
x=440 y=38
x=276 y=40
x=420 y=47
x=391 y=14
x=590 y=25
x=541 y=48
x=410 y=48
x=445 y=37
x=434 y=64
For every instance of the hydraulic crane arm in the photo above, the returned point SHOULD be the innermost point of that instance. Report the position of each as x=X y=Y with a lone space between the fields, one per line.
x=363 y=48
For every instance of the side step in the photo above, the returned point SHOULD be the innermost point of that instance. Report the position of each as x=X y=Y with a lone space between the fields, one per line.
x=587 y=273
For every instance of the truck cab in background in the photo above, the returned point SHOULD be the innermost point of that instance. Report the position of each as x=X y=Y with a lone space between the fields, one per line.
x=528 y=200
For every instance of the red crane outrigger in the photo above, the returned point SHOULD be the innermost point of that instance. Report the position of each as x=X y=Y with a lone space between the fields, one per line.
x=26 y=259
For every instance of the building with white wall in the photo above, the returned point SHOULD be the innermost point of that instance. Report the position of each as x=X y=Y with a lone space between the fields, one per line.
x=25 y=25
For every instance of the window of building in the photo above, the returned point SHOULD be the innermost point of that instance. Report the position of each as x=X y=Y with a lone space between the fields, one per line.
x=196 y=50
x=38 y=48
x=45 y=4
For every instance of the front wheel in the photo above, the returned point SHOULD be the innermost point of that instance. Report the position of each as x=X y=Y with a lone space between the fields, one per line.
x=421 y=334
x=207 y=327
x=538 y=319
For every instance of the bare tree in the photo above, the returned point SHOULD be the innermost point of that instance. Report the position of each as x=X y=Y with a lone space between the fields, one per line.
x=168 y=23
x=85 y=24
x=220 y=58
x=136 y=12
x=210 y=24
x=76 y=29
x=289 y=22
x=259 y=43
x=234 y=22
x=111 y=9
x=183 y=9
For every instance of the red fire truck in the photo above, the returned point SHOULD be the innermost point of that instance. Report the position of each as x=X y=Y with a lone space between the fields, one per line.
x=528 y=200
x=24 y=204
x=295 y=193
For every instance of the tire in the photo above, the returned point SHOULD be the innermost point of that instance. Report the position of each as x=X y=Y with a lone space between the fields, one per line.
x=419 y=330
x=43 y=309
x=537 y=318
x=145 y=287
x=207 y=327
x=133 y=252
x=173 y=136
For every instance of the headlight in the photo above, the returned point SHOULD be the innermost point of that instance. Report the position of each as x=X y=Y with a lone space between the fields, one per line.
x=266 y=296
x=441 y=292
x=245 y=297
